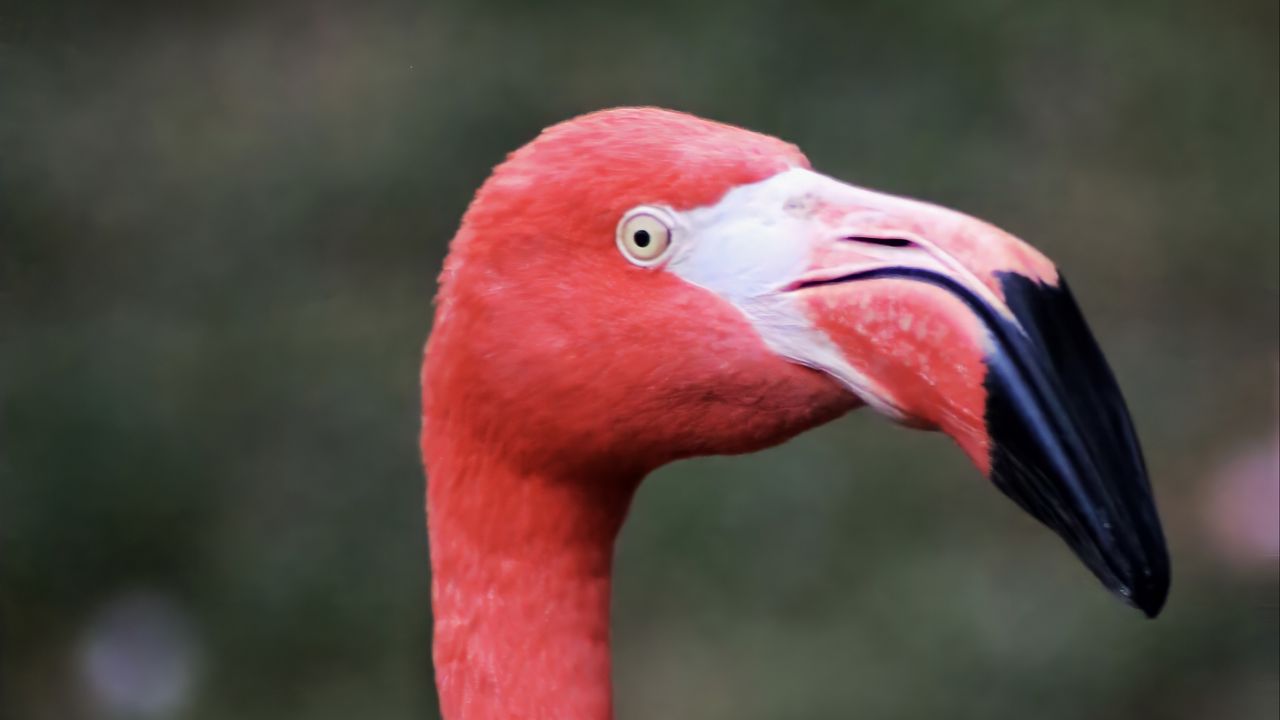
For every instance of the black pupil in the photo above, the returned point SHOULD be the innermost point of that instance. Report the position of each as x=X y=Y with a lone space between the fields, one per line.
x=642 y=238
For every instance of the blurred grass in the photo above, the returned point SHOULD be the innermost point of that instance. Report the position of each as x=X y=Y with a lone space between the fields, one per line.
x=219 y=230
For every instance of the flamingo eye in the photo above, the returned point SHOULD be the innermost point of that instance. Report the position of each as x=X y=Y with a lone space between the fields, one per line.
x=644 y=236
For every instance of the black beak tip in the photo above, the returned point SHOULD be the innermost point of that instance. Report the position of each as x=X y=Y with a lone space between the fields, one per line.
x=1149 y=593
x=1151 y=607
x=1063 y=445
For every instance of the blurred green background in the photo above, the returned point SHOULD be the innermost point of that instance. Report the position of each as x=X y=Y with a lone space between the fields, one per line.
x=220 y=226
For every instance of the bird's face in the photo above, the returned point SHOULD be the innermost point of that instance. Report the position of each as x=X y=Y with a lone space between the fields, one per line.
x=696 y=289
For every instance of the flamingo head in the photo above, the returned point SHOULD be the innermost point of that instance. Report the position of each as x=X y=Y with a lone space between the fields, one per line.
x=637 y=285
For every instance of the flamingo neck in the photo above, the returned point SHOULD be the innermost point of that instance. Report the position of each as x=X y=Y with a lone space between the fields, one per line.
x=521 y=566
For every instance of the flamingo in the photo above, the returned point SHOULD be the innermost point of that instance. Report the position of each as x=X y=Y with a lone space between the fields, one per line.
x=637 y=286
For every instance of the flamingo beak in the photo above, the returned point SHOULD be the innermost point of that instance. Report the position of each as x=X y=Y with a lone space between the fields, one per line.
x=944 y=322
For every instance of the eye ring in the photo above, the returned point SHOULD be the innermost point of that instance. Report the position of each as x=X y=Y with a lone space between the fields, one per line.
x=644 y=235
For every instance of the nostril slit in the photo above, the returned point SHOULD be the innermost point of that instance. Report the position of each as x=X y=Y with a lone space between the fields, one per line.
x=884 y=242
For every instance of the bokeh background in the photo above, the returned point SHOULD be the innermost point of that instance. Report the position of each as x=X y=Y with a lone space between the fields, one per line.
x=220 y=226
